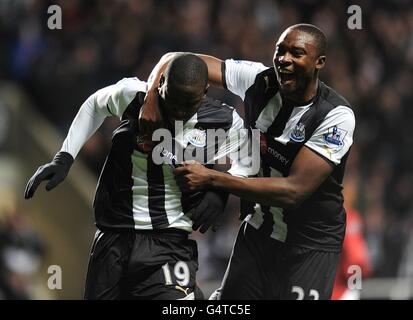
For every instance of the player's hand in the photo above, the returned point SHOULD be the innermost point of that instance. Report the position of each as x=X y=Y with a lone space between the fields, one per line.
x=192 y=176
x=144 y=144
x=55 y=171
x=150 y=116
x=210 y=211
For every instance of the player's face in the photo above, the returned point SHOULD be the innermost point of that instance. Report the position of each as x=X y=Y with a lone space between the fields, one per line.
x=178 y=104
x=295 y=60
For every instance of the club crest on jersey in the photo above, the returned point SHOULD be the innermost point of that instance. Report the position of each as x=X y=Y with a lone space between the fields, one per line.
x=335 y=136
x=298 y=133
x=196 y=137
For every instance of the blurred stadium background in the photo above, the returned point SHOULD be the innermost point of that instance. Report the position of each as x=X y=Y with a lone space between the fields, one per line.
x=45 y=75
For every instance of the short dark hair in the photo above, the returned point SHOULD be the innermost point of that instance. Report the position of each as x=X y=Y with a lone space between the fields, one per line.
x=187 y=71
x=318 y=35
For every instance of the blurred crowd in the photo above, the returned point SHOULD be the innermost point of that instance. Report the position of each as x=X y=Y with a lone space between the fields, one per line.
x=21 y=253
x=103 y=41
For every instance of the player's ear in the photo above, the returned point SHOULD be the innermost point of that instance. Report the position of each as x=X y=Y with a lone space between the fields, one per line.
x=321 y=61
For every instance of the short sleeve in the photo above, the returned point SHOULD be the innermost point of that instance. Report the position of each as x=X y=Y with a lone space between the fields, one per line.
x=243 y=164
x=114 y=99
x=240 y=75
x=334 y=136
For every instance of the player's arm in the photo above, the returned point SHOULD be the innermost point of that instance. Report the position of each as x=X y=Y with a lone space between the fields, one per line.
x=150 y=117
x=214 y=70
x=308 y=172
x=106 y=102
x=109 y=101
x=235 y=76
x=313 y=164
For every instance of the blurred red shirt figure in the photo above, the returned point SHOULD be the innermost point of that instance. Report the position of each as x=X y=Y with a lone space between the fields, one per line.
x=354 y=253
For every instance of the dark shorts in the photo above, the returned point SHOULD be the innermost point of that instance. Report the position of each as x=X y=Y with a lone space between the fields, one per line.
x=142 y=265
x=264 y=268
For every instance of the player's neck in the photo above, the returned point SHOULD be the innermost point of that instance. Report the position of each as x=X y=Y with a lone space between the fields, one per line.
x=303 y=97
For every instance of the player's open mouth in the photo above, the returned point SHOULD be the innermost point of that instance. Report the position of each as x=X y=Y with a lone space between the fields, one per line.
x=286 y=75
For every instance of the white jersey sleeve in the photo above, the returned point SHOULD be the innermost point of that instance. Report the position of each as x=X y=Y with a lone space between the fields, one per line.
x=109 y=101
x=115 y=98
x=334 y=136
x=240 y=75
x=236 y=148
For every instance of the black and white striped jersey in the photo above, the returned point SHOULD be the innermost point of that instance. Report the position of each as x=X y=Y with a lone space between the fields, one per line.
x=325 y=125
x=134 y=191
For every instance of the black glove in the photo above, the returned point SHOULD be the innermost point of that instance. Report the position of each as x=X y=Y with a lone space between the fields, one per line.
x=55 y=171
x=210 y=211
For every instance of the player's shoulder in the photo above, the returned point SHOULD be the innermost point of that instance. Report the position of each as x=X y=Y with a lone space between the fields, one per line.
x=132 y=84
x=337 y=105
x=257 y=67
x=332 y=97
x=215 y=113
x=244 y=66
x=246 y=63
x=211 y=106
